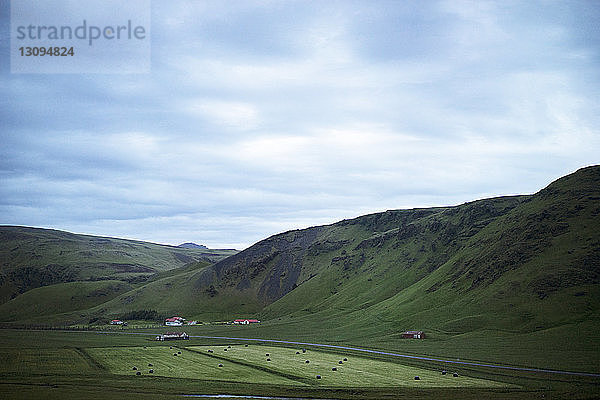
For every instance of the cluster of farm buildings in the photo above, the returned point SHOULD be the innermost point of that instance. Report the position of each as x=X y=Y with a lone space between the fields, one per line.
x=180 y=321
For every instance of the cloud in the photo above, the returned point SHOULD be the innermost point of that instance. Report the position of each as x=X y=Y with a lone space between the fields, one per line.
x=229 y=114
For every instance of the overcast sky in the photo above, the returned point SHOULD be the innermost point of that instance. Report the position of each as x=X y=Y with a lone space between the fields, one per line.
x=264 y=116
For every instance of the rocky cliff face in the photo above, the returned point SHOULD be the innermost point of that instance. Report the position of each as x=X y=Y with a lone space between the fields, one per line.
x=270 y=269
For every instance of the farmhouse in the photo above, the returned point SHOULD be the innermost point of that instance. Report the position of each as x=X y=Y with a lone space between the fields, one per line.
x=174 y=321
x=413 y=335
x=116 y=322
x=246 y=321
x=173 y=336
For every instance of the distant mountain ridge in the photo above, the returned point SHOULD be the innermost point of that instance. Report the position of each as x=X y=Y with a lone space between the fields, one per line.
x=190 y=245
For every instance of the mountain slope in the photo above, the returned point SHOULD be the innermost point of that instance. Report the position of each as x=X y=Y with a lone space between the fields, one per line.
x=353 y=262
x=47 y=301
x=34 y=257
x=516 y=263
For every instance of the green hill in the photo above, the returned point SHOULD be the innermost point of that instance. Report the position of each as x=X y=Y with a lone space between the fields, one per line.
x=61 y=298
x=33 y=257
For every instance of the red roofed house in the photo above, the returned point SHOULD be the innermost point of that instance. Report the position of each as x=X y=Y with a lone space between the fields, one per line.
x=246 y=321
x=116 y=322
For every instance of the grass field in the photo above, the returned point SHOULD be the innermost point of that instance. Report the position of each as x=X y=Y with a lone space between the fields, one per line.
x=354 y=372
x=43 y=362
x=64 y=365
x=174 y=362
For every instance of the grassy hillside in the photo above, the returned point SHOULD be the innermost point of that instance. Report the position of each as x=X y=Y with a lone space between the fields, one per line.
x=61 y=298
x=33 y=257
x=350 y=265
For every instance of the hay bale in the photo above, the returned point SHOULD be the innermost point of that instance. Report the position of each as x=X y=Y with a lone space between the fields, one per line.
x=178 y=352
x=318 y=376
x=150 y=364
x=334 y=369
x=306 y=361
x=228 y=347
x=267 y=355
x=224 y=349
x=151 y=371
x=245 y=345
x=455 y=374
x=444 y=372
x=170 y=347
x=304 y=350
x=175 y=354
x=345 y=359
x=268 y=359
x=417 y=378
x=340 y=362
x=138 y=373
x=220 y=365
x=297 y=352
x=134 y=368
x=210 y=351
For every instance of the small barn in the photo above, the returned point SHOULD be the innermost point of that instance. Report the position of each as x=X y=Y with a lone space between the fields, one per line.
x=246 y=321
x=116 y=322
x=173 y=336
x=174 y=321
x=413 y=335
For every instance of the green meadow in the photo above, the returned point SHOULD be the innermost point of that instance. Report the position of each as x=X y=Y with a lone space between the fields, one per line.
x=350 y=371
x=174 y=362
x=93 y=365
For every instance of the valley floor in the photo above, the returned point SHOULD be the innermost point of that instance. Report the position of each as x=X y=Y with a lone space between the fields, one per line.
x=64 y=364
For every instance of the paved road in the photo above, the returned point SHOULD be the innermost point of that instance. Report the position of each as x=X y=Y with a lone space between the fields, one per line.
x=332 y=346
